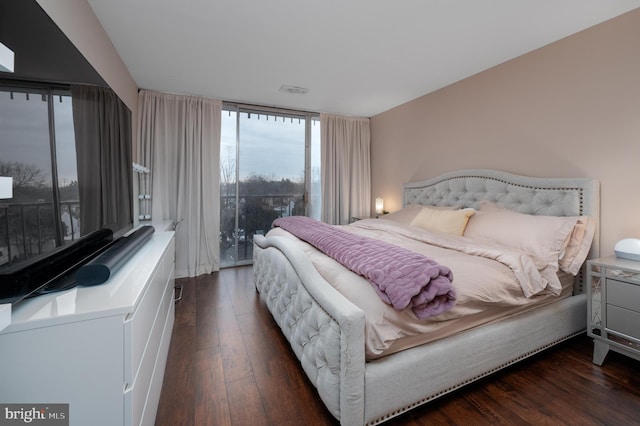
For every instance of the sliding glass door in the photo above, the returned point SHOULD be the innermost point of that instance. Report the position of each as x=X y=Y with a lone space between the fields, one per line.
x=269 y=168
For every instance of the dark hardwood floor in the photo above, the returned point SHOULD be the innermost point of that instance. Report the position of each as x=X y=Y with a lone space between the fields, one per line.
x=230 y=365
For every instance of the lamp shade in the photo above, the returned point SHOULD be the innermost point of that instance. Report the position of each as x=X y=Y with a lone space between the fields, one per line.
x=6 y=187
x=379 y=205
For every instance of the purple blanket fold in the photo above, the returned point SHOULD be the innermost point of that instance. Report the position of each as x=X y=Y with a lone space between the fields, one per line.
x=402 y=278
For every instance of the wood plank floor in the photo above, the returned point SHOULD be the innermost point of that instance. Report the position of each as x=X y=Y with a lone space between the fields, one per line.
x=230 y=365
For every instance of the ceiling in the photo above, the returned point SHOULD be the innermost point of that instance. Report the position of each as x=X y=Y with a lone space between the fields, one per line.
x=355 y=57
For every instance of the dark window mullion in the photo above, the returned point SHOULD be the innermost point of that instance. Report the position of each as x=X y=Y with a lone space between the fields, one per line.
x=57 y=219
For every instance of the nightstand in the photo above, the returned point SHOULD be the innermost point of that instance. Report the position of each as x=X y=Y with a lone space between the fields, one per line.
x=613 y=307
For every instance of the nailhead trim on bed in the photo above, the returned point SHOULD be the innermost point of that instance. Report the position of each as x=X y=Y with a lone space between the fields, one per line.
x=522 y=198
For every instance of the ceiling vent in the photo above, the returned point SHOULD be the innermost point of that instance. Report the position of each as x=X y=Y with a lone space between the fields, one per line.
x=293 y=89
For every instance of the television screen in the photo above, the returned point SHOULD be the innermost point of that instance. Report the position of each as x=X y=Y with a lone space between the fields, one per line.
x=65 y=139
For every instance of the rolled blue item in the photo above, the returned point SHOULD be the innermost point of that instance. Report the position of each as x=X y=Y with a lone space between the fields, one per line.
x=98 y=270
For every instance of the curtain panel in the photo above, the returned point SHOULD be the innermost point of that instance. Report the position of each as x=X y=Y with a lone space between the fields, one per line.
x=179 y=140
x=102 y=128
x=346 y=168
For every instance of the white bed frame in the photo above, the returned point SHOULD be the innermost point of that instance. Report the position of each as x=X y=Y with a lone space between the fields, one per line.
x=326 y=331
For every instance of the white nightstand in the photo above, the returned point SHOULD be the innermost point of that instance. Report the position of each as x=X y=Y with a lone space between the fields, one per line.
x=613 y=318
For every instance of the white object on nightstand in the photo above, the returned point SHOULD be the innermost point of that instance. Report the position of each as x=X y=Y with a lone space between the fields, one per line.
x=628 y=248
x=613 y=307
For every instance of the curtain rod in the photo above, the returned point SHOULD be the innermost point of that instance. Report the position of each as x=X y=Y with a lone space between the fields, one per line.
x=34 y=85
x=265 y=109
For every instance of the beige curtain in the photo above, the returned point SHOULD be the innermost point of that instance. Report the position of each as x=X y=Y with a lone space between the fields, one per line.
x=346 y=168
x=179 y=138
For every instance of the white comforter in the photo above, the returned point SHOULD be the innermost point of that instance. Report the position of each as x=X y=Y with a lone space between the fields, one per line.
x=492 y=282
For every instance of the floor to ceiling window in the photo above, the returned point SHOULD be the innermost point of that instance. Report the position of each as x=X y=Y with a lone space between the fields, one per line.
x=269 y=168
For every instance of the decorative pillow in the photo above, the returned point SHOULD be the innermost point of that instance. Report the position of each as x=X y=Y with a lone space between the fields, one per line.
x=446 y=221
x=545 y=237
x=407 y=214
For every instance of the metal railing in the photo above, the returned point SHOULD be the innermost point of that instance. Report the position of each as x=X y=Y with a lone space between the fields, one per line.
x=29 y=229
x=255 y=214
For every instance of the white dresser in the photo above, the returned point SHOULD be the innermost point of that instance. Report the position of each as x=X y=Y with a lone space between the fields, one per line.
x=101 y=349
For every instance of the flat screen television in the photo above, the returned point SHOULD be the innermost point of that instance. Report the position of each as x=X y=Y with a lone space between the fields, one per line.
x=50 y=70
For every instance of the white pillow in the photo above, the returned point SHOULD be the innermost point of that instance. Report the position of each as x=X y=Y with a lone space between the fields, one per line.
x=408 y=213
x=554 y=239
x=405 y=215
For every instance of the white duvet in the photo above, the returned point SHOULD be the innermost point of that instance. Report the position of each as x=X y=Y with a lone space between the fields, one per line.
x=492 y=282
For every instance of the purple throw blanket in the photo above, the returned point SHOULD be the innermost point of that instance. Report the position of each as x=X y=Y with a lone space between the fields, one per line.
x=402 y=278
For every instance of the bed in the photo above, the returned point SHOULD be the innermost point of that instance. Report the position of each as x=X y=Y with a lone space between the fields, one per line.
x=326 y=330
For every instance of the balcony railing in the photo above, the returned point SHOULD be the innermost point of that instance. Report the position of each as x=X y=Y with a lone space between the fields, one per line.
x=256 y=213
x=29 y=229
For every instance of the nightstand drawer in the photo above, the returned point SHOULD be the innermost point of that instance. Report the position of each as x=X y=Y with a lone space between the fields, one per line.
x=623 y=321
x=623 y=294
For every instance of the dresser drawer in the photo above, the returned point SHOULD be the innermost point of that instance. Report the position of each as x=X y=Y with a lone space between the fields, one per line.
x=623 y=321
x=623 y=294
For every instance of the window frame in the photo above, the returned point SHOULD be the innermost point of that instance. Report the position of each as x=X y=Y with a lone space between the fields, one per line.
x=311 y=119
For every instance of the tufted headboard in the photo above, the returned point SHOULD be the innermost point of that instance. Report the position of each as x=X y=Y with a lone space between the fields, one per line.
x=531 y=195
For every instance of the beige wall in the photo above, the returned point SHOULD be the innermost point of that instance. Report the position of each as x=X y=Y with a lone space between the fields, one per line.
x=76 y=19
x=569 y=109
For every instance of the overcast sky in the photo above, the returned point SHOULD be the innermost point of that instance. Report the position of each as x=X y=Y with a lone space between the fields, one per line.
x=268 y=147
x=24 y=133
